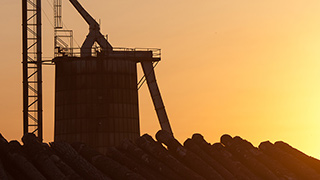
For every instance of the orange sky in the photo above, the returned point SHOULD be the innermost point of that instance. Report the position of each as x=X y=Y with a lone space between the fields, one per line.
x=247 y=68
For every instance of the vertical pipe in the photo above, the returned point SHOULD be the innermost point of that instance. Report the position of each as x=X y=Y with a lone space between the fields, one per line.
x=148 y=71
x=24 y=66
x=39 y=68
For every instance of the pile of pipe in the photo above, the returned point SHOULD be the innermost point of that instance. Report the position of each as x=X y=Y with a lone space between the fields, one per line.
x=163 y=158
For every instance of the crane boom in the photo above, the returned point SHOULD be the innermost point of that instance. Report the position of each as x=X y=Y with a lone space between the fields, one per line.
x=94 y=32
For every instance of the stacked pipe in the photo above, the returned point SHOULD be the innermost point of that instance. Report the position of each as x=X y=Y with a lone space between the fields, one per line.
x=295 y=165
x=156 y=159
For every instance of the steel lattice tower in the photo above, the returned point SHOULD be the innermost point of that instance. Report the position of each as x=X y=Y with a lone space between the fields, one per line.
x=32 y=67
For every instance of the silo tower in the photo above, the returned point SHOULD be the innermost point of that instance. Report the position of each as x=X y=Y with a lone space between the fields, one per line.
x=96 y=100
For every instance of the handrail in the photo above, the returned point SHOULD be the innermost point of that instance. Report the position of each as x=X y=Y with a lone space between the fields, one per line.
x=75 y=52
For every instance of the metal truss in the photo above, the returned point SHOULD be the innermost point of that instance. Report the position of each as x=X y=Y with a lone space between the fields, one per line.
x=32 y=67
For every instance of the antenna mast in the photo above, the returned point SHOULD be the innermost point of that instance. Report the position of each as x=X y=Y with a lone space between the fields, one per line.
x=32 y=67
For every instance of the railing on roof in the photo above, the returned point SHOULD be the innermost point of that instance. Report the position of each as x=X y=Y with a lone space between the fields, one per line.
x=75 y=52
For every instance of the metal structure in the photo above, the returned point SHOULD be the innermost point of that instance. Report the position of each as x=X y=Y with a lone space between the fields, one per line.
x=32 y=61
x=96 y=36
x=63 y=39
x=96 y=99
x=94 y=32
x=148 y=70
x=32 y=67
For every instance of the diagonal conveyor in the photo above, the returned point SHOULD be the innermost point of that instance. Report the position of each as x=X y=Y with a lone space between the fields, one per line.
x=148 y=71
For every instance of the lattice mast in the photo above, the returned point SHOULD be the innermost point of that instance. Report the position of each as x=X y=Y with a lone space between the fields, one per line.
x=32 y=67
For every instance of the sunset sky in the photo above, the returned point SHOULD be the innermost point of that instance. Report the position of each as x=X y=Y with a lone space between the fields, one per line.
x=247 y=68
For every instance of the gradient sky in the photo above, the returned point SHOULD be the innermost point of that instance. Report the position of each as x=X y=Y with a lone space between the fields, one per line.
x=247 y=68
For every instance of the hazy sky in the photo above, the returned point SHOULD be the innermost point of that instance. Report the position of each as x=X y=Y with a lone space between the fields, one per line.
x=247 y=68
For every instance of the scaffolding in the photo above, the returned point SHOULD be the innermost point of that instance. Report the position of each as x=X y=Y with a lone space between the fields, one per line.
x=63 y=39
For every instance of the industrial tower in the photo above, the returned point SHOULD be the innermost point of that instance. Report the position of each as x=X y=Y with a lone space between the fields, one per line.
x=32 y=67
x=119 y=67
